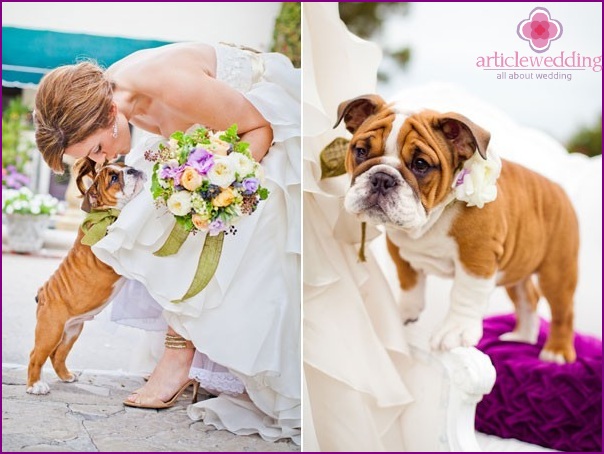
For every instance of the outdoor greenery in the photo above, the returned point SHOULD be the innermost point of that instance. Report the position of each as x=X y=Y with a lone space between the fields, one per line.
x=366 y=21
x=287 y=34
x=588 y=140
x=15 y=149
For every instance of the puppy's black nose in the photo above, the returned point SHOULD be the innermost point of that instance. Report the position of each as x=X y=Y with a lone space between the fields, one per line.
x=382 y=182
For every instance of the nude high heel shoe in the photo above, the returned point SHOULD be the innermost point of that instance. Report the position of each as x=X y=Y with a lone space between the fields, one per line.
x=158 y=404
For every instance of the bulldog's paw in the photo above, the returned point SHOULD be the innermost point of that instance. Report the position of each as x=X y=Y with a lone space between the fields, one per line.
x=515 y=336
x=558 y=354
x=39 y=388
x=70 y=378
x=410 y=310
x=457 y=332
x=410 y=313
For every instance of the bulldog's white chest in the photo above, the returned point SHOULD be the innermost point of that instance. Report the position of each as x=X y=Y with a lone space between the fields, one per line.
x=434 y=252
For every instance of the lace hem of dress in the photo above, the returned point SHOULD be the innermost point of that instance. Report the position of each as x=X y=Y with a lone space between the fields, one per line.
x=218 y=382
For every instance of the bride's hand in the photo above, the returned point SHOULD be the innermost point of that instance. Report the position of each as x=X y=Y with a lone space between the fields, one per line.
x=260 y=140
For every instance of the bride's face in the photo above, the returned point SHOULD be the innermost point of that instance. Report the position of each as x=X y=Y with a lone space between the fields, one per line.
x=103 y=145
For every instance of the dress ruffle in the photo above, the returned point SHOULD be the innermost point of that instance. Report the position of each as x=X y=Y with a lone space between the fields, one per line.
x=352 y=323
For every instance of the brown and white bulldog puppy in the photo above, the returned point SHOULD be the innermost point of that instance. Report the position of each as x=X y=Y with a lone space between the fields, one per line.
x=418 y=174
x=82 y=285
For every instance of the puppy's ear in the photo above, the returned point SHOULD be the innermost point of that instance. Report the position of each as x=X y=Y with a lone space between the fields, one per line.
x=84 y=168
x=90 y=200
x=465 y=135
x=355 y=111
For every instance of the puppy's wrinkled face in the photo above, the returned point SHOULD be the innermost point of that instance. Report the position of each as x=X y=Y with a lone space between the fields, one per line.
x=403 y=165
x=113 y=187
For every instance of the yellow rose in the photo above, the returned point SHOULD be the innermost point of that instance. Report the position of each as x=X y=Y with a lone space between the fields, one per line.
x=225 y=198
x=200 y=222
x=190 y=179
x=217 y=146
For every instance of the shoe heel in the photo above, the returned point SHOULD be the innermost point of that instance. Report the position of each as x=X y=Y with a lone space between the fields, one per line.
x=195 y=391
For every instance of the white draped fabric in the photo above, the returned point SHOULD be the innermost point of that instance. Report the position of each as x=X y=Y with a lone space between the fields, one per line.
x=354 y=348
x=247 y=319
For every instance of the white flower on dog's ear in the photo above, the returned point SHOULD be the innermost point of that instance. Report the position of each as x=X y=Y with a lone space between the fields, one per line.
x=179 y=203
x=476 y=182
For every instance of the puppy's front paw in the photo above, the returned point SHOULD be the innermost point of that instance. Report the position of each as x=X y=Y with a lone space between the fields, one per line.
x=457 y=332
x=39 y=388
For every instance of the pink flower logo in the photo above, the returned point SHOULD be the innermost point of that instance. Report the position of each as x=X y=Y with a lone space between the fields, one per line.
x=539 y=29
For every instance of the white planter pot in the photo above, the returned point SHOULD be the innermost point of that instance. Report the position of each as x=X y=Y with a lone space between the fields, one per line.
x=26 y=231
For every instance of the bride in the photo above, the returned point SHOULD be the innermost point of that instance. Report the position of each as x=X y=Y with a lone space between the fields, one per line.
x=239 y=337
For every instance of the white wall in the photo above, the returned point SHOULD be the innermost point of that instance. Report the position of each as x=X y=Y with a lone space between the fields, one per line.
x=248 y=23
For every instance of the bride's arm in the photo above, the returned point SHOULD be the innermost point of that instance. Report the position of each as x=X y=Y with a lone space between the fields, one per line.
x=199 y=98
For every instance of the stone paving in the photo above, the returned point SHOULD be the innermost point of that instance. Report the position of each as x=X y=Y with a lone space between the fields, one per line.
x=88 y=415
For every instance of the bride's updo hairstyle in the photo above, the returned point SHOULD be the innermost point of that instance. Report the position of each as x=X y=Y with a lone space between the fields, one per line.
x=72 y=102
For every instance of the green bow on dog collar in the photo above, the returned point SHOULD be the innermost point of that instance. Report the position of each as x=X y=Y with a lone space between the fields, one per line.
x=95 y=225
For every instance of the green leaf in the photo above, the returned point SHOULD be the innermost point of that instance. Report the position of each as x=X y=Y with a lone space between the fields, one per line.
x=263 y=193
x=156 y=189
x=178 y=135
x=230 y=135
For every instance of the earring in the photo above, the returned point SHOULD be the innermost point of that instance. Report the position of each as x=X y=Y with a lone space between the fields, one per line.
x=115 y=130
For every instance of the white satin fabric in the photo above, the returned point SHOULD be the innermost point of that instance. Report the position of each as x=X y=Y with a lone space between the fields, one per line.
x=248 y=317
x=354 y=347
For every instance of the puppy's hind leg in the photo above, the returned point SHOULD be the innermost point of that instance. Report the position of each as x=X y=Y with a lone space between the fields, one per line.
x=58 y=357
x=525 y=297
x=559 y=291
x=47 y=337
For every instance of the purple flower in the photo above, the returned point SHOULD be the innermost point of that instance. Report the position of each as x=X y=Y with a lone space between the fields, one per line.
x=174 y=172
x=216 y=226
x=13 y=179
x=250 y=185
x=201 y=160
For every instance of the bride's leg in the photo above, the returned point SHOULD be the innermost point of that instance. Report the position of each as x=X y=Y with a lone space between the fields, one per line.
x=170 y=374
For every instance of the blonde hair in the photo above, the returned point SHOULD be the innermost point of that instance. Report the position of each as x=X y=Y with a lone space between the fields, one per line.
x=72 y=102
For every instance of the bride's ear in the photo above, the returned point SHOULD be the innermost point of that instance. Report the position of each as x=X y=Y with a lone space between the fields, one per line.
x=113 y=112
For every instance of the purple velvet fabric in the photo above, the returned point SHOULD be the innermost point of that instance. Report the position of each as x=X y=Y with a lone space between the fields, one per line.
x=556 y=406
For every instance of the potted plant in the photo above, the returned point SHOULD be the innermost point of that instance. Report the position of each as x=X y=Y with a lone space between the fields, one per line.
x=27 y=217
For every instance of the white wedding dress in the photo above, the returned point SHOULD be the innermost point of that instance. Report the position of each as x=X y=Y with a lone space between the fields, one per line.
x=246 y=322
x=355 y=352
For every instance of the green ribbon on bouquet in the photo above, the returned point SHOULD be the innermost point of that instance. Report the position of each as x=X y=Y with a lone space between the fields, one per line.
x=208 y=259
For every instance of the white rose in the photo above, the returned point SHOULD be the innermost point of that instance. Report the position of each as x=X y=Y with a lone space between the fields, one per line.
x=179 y=203
x=243 y=165
x=476 y=183
x=222 y=172
x=259 y=171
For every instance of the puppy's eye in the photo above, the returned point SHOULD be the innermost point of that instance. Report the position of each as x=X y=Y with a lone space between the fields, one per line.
x=114 y=178
x=360 y=152
x=420 y=166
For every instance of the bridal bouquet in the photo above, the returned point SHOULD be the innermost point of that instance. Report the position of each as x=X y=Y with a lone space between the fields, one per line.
x=208 y=180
